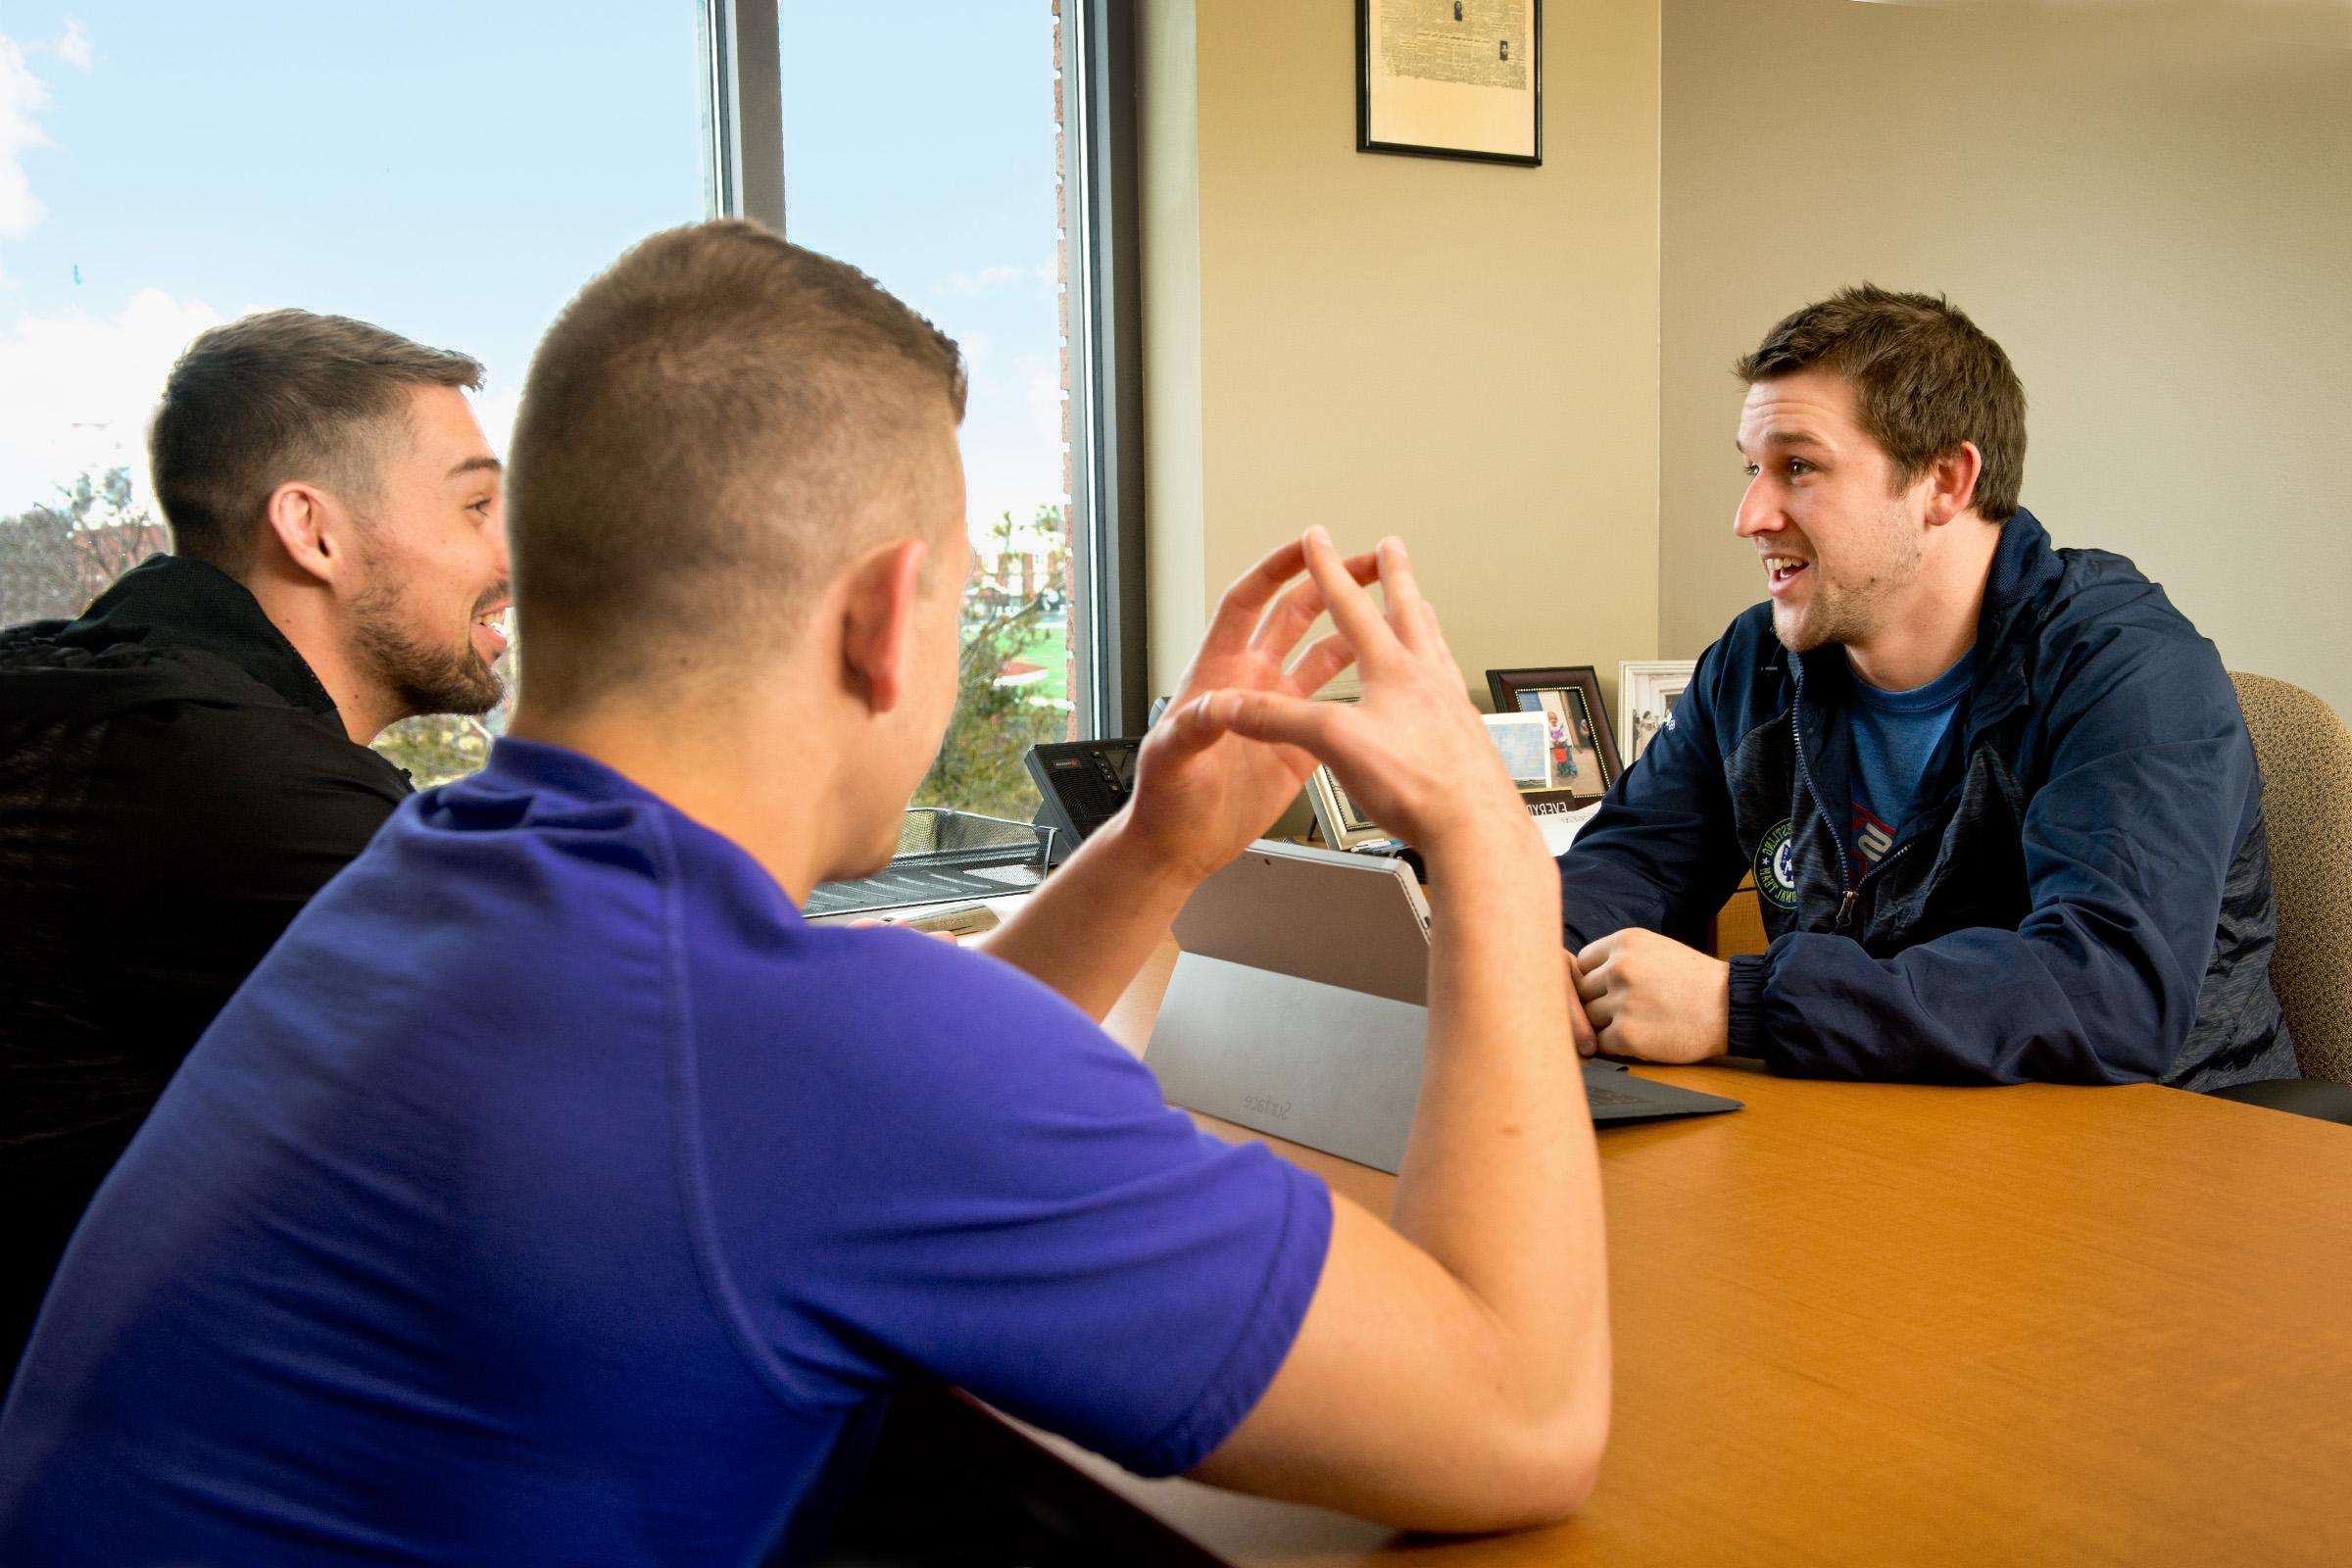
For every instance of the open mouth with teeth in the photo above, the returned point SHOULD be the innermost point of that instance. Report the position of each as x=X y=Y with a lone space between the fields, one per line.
x=490 y=633
x=1782 y=571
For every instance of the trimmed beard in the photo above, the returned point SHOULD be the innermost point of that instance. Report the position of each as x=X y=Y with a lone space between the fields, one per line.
x=422 y=677
x=1848 y=616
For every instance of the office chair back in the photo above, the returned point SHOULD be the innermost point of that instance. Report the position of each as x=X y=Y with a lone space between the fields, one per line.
x=2305 y=753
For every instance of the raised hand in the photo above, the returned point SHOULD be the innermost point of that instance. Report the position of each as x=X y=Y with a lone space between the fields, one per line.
x=1241 y=738
x=1412 y=750
x=1202 y=794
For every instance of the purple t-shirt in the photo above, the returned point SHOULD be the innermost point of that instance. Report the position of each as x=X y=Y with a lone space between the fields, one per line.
x=552 y=1194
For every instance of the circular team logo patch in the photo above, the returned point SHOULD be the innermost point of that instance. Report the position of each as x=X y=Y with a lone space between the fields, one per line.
x=1776 y=868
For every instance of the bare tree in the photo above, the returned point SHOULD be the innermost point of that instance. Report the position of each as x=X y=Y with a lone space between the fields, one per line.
x=54 y=560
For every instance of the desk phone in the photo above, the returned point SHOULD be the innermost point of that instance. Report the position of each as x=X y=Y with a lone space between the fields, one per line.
x=1081 y=785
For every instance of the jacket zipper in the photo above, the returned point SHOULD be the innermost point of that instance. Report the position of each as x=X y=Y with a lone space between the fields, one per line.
x=1892 y=855
x=1846 y=879
x=1845 y=874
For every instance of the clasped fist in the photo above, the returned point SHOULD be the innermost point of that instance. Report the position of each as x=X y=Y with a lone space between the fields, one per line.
x=1652 y=999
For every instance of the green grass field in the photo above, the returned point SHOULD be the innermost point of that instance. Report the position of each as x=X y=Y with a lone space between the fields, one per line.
x=1051 y=650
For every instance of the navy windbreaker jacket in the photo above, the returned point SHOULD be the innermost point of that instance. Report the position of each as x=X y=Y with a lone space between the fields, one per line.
x=2082 y=896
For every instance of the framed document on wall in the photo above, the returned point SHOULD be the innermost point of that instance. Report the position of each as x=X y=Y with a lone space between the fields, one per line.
x=1451 y=78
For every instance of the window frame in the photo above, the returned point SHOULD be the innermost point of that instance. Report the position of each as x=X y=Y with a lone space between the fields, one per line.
x=743 y=111
x=743 y=124
x=1102 y=225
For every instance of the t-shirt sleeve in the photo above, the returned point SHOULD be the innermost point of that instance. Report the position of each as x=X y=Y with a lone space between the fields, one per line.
x=924 y=1161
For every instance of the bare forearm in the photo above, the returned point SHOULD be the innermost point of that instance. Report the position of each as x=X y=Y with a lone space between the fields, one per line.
x=1090 y=928
x=1501 y=1183
x=1474 y=1326
x=1454 y=1371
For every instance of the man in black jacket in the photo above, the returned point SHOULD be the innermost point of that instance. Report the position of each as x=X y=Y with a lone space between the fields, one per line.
x=1998 y=800
x=184 y=766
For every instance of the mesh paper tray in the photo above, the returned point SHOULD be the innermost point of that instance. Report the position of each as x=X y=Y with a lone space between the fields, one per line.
x=945 y=855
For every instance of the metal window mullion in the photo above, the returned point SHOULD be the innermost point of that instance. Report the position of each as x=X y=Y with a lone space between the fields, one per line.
x=743 y=111
x=1107 y=427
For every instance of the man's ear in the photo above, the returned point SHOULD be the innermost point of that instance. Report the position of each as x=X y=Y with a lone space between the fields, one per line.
x=877 y=630
x=1952 y=483
x=312 y=531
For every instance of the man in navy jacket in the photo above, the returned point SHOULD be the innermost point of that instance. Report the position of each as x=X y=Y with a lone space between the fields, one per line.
x=2000 y=805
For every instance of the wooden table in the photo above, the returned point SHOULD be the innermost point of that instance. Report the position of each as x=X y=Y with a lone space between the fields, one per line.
x=1880 y=1324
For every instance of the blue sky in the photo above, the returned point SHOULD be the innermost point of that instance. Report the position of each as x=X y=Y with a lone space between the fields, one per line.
x=455 y=172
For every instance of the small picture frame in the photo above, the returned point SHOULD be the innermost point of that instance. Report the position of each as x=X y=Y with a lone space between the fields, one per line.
x=1339 y=820
x=1646 y=692
x=1525 y=742
x=1584 y=754
x=1342 y=823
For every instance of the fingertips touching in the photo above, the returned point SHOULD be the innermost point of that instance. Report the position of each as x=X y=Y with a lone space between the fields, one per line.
x=1280 y=564
x=1352 y=609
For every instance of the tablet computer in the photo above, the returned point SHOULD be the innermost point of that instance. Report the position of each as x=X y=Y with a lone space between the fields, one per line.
x=1298 y=1006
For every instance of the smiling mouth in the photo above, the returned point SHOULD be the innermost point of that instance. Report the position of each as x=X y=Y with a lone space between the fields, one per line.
x=493 y=624
x=1782 y=571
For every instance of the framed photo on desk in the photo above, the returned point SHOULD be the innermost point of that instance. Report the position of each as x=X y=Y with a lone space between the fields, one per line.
x=1584 y=754
x=1646 y=692
x=1339 y=821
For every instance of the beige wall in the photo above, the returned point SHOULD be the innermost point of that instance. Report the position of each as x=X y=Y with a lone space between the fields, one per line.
x=2149 y=205
x=1462 y=354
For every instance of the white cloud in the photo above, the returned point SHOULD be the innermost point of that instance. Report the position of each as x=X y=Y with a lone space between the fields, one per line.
x=1012 y=442
x=21 y=97
x=966 y=285
x=77 y=391
x=74 y=44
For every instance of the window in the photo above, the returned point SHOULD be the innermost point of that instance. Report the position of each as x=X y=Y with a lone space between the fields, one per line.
x=455 y=170
x=451 y=171
x=927 y=155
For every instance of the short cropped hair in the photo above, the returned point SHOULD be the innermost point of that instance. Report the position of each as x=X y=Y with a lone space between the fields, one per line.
x=280 y=396
x=707 y=430
x=1925 y=378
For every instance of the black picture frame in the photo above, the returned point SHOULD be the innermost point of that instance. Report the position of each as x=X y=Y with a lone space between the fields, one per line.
x=1368 y=141
x=1574 y=691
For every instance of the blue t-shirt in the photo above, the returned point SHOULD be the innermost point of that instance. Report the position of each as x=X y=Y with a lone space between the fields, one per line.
x=1896 y=736
x=552 y=1194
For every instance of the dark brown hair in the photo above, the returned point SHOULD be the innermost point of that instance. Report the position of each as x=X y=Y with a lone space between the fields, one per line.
x=1925 y=379
x=708 y=428
x=280 y=396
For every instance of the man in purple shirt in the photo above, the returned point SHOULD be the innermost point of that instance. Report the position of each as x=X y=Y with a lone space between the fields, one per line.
x=555 y=1194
